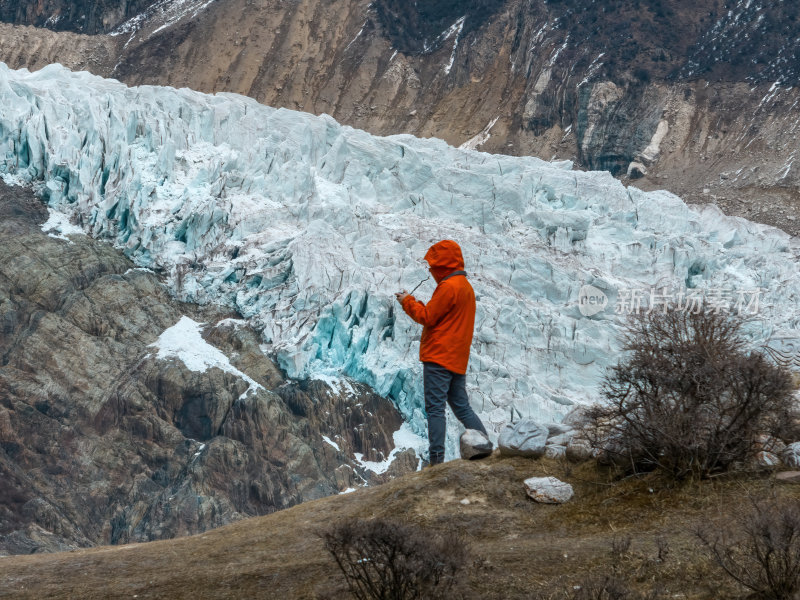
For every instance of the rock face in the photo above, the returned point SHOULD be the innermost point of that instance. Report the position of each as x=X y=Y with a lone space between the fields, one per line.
x=548 y=490
x=104 y=440
x=523 y=438
x=519 y=77
x=80 y=16
x=475 y=445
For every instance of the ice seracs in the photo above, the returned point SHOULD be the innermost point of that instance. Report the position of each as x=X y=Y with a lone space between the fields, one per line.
x=307 y=228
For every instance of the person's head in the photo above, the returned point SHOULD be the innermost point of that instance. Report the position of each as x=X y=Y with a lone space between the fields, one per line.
x=443 y=258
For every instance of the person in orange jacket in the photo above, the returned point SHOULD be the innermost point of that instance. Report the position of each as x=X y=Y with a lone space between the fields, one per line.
x=447 y=320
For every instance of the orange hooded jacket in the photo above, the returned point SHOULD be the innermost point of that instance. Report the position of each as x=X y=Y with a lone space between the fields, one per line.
x=448 y=319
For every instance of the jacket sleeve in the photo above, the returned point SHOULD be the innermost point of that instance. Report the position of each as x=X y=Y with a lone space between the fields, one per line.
x=430 y=314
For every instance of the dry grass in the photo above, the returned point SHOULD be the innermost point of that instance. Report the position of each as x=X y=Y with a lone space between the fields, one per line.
x=527 y=550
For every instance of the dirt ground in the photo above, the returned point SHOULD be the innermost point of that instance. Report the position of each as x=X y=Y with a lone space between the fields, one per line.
x=521 y=549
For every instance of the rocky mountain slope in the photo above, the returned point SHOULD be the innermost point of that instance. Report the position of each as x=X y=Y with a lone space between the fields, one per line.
x=521 y=550
x=700 y=99
x=113 y=431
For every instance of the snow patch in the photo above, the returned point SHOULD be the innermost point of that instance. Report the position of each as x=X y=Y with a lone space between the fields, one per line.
x=185 y=342
x=479 y=139
x=135 y=269
x=337 y=384
x=358 y=35
x=404 y=438
x=58 y=226
x=456 y=28
x=329 y=441
x=235 y=323
x=650 y=153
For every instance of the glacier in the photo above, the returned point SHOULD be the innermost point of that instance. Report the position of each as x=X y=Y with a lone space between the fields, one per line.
x=307 y=228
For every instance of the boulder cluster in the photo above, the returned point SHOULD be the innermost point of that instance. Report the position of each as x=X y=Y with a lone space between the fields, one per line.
x=534 y=439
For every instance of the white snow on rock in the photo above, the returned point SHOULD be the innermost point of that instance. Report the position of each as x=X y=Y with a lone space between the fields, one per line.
x=404 y=438
x=480 y=139
x=59 y=227
x=185 y=342
x=330 y=442
x=307 y=228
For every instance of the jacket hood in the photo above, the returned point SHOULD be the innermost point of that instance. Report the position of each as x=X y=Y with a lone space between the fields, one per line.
x=445 y=255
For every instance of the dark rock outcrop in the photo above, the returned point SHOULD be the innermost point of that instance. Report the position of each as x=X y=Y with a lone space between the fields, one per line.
x=80 y=16
x=103 y=442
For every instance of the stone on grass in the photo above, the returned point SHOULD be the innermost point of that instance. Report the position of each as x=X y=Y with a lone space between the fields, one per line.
x=788 y=476
x=791 y=455
x=474 y=445
x=523 y=438
x=548 y=490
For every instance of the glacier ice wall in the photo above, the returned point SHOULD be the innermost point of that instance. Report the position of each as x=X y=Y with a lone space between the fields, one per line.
x=307 y=227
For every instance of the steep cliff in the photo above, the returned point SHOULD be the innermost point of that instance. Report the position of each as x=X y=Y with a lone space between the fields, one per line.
x=81 y=16
x=699 y=99
x=109 y=433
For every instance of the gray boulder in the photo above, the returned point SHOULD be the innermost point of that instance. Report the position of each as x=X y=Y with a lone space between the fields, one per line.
x=524 y=438
x=555 y=451
x=766 y=460
x=548 y=490
x=474 y=445
x=791 y=455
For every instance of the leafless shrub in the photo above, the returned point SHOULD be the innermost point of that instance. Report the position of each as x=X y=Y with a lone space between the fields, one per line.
x=762 y=550
x=620 y=547
x=689 y=398
x=662 y=548
x=384 y=560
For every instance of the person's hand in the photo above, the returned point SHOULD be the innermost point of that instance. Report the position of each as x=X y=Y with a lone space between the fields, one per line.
x=401 y=296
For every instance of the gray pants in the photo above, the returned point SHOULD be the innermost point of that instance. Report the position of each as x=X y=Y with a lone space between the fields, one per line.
x=442 y=385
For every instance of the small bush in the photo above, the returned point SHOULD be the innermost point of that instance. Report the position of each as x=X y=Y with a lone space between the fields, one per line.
x=689 y=398
x=761 y=551
x=384 y=560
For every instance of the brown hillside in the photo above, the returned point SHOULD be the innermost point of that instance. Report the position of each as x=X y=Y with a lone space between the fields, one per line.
x=523 y=549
